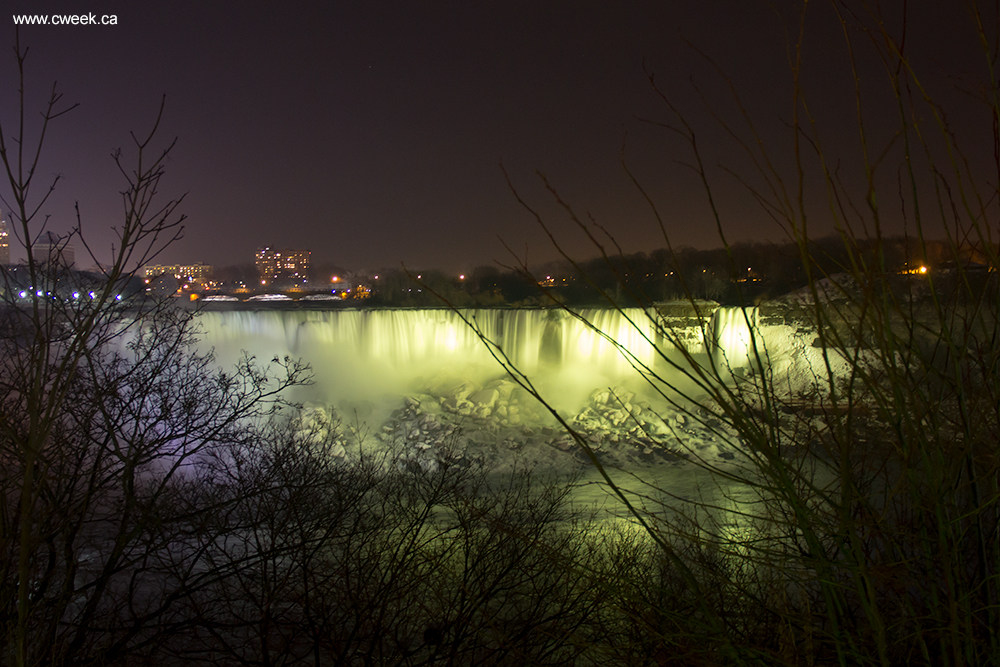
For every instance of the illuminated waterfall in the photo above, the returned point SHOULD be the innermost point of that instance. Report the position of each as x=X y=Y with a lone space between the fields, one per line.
x=426 y=379
x=384 y=351
x=408 y=338
x=735 y=339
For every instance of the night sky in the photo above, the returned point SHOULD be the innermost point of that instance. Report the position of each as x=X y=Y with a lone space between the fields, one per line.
x=373 y=133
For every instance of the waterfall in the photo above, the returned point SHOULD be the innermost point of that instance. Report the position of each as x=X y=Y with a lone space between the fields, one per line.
x=376 y=357
x=412 y=337
x=735 y=339
x=365 y=352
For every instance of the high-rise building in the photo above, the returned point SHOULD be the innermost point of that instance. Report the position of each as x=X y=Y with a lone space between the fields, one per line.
x=267 y=263
x=49 y=248
x=196 y=272
x=287 y=266
x=4 y=244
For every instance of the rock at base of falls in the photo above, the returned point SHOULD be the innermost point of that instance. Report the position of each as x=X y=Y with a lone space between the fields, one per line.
x=499 y=424
x=485 y=398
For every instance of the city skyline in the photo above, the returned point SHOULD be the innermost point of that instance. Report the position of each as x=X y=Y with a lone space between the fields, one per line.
x=381 y=133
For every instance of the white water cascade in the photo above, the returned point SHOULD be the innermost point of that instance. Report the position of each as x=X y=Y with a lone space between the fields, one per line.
x=426 y=378
x=372 y=354
x=735 y=340
x=384 y=353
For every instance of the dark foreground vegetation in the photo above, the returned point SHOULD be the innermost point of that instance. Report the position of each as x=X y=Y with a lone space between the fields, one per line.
x=872 y=534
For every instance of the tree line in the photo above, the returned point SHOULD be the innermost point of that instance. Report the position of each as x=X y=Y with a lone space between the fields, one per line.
x=734 y=275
